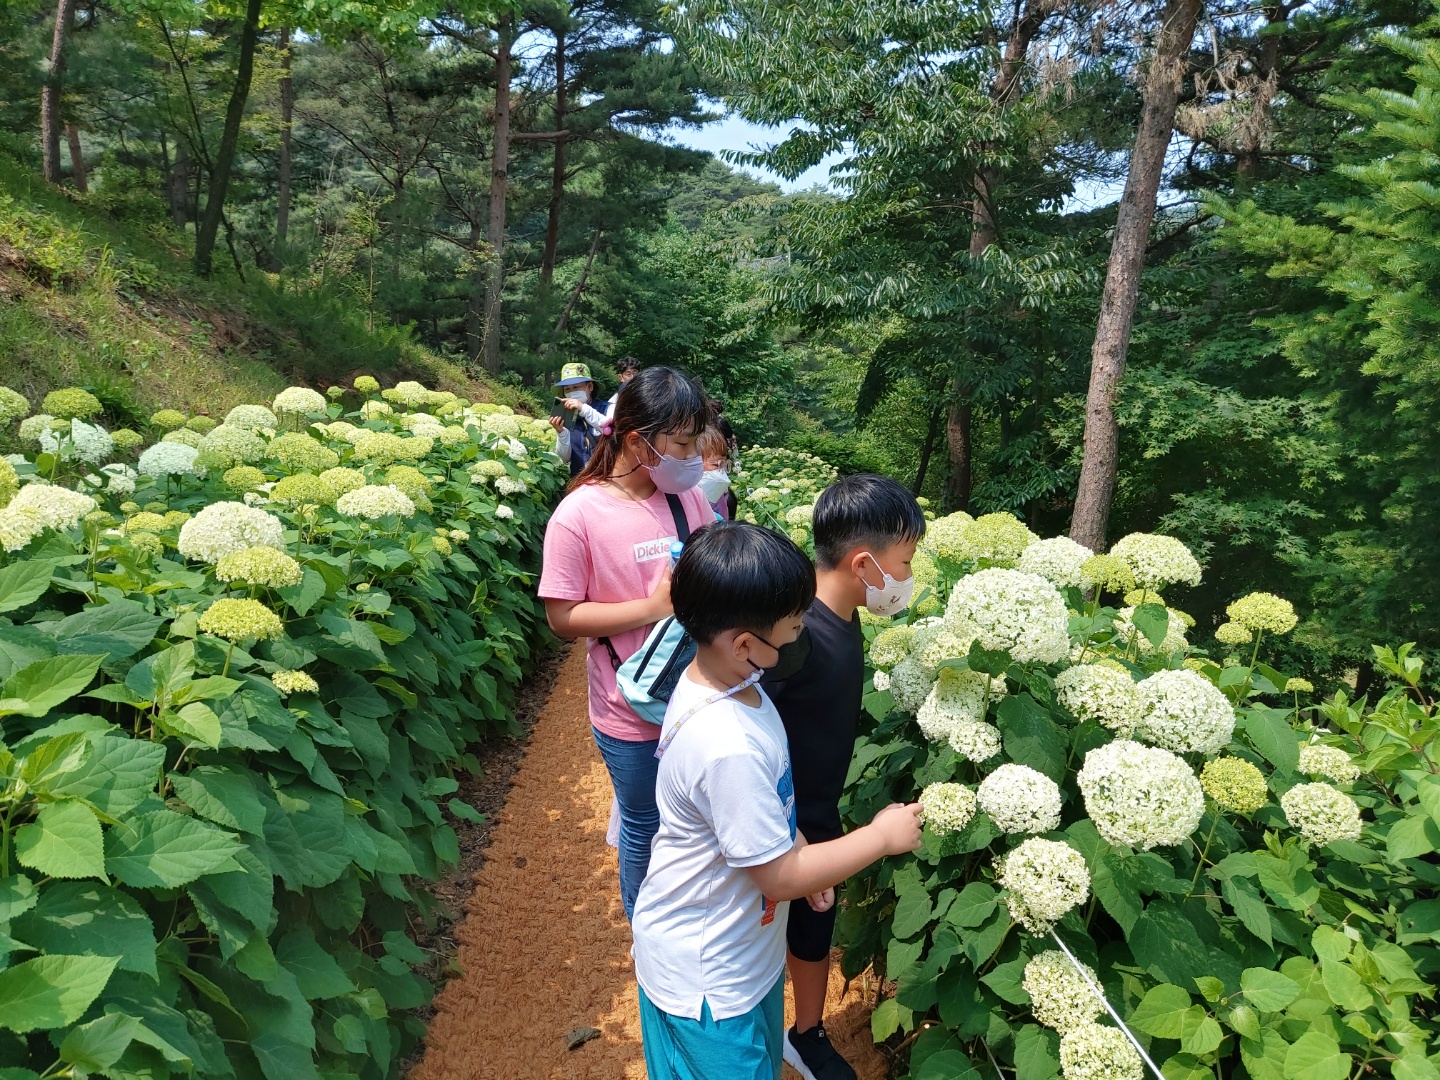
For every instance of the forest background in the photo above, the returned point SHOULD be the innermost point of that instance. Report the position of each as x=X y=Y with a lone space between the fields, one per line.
x=502 y=185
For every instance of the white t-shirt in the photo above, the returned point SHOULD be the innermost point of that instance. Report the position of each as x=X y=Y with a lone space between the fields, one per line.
x=703 y=930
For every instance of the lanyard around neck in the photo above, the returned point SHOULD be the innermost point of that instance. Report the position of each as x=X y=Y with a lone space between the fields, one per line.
x=711 y=700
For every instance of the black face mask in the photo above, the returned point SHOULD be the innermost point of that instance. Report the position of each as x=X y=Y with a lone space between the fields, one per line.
x=793 y=655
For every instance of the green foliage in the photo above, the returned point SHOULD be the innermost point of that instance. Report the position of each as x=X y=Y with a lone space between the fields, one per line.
x=210 y=866
x=1248 y=948
x=777 y=488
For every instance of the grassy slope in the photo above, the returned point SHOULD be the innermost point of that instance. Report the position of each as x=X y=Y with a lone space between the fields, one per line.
x=86 y=300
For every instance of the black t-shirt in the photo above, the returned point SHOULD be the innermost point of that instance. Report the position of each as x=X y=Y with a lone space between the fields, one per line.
x=820 y=707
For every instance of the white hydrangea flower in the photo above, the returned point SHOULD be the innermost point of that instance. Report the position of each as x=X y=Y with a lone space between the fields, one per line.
x=1059 y=997
x=1184 y=712
x=881 y=680
x=504 y=513
x=947 y=808
x=56 y=507
x=90 y=442
x=505 y=425
x=1321 y=814
x=224 y=528
x=1094 y=1052
x=1020 y=799
x=170 y=459
x=1057 y=560
x=119 y=479
x=975 y=742
x=1174 y=641
x=510 y=485
x=1157 y=561
x=18 y=527
x=1140 y=795
x=1331 y=762
x=909 y=685
x=374 y=501
x=1012 y=610
x=1100 y=692
x=956 y=697
x=252 y=417
x=1044 y=880
x=298 y=399
x=944 y=643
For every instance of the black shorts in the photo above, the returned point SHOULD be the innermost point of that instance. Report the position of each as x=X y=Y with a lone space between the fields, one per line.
x=809 y=932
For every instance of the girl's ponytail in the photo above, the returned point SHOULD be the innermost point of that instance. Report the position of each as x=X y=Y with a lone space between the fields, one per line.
x=656 y=401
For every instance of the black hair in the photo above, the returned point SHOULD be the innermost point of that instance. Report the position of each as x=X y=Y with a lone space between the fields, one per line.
x=628 y=363
x=863 y=511
x=734 y=576
x=657 y=401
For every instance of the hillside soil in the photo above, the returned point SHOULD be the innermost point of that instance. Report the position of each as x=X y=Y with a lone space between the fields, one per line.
x=543 y=951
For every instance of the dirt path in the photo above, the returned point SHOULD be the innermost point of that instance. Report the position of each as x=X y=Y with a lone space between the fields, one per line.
x=544 y=947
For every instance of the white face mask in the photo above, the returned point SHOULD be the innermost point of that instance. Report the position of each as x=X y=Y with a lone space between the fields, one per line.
x=578 y=395
x=714 y=483
x=891 y=597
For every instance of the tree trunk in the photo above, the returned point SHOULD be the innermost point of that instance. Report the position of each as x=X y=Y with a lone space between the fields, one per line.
x=209 y=227
x=499 y=180
x=287 y=113
x=177 y=185
x=1122 y=277
x=557 y=173
x=475 y=296
x=927 y=448
x=957 y=438
x=50 y=92
x=579 y=289
x=77 y=158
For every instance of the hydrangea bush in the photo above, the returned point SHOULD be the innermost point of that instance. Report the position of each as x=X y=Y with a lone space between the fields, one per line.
x=1249 y=875
x=236 y=683
x=777 y=488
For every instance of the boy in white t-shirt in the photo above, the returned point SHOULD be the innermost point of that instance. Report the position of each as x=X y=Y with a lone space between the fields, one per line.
x=710 y=918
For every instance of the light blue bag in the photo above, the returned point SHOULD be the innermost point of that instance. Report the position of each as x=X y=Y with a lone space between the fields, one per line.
x=648 y=678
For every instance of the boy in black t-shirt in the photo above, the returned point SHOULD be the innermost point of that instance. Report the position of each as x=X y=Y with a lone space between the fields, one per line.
x=866 y=528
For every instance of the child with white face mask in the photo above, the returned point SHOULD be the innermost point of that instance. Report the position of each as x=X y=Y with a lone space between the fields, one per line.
x=866 y=529
x=715 y=480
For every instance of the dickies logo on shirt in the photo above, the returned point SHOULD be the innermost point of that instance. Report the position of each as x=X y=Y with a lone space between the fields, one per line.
x=650 y=550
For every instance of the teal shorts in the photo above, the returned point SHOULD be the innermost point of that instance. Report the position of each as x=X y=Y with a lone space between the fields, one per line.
x=746 y=1047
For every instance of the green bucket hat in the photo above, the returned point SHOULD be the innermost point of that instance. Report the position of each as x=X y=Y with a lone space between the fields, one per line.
x=574 y=374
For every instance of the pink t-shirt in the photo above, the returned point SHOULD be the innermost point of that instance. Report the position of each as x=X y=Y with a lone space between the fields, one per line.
x=607 y=549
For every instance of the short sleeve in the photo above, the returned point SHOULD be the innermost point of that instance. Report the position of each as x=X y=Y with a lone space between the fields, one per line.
x=739 y=798
x=566 y=569
x=698 y=512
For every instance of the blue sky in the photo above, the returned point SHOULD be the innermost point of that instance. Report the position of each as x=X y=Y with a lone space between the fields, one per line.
x=732 y=133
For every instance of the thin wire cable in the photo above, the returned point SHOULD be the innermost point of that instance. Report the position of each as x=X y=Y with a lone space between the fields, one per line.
x=1099 y=993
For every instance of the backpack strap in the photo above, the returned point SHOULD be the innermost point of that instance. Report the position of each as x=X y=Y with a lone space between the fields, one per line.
x=682 y=523
x=682 y=533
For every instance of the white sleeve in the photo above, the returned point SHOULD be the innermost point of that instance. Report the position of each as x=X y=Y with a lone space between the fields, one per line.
x=562 y=445
x=592 y=416
x=739 y=799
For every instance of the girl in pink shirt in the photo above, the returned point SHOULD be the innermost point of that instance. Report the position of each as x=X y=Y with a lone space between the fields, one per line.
x=606 y=576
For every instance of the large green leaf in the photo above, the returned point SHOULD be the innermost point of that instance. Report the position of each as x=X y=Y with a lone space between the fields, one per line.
x=315 y=970
x=223 y=795
x=51 y=991
x=63 y=841
x=24 y=582
x=1037 y=1053
x=116 y=776
x=305 y=831
x=195 y=722
x=1316 y=1056
x=21 y=646
x=93 y=919
x=912 y=906
x=1270 y=732
x=1161 y=1012
x=47 y=768
x=1152 y=620
x=96 y=1046
x=1267 y=990
x=37 y=688
x=1032 y=737
x=163 y=849
x=119 y=629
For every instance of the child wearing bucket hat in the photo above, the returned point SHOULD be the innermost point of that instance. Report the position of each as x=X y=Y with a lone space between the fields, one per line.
x=578 y=434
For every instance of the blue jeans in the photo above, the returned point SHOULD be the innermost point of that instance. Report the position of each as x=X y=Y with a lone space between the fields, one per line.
x=632 y=767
